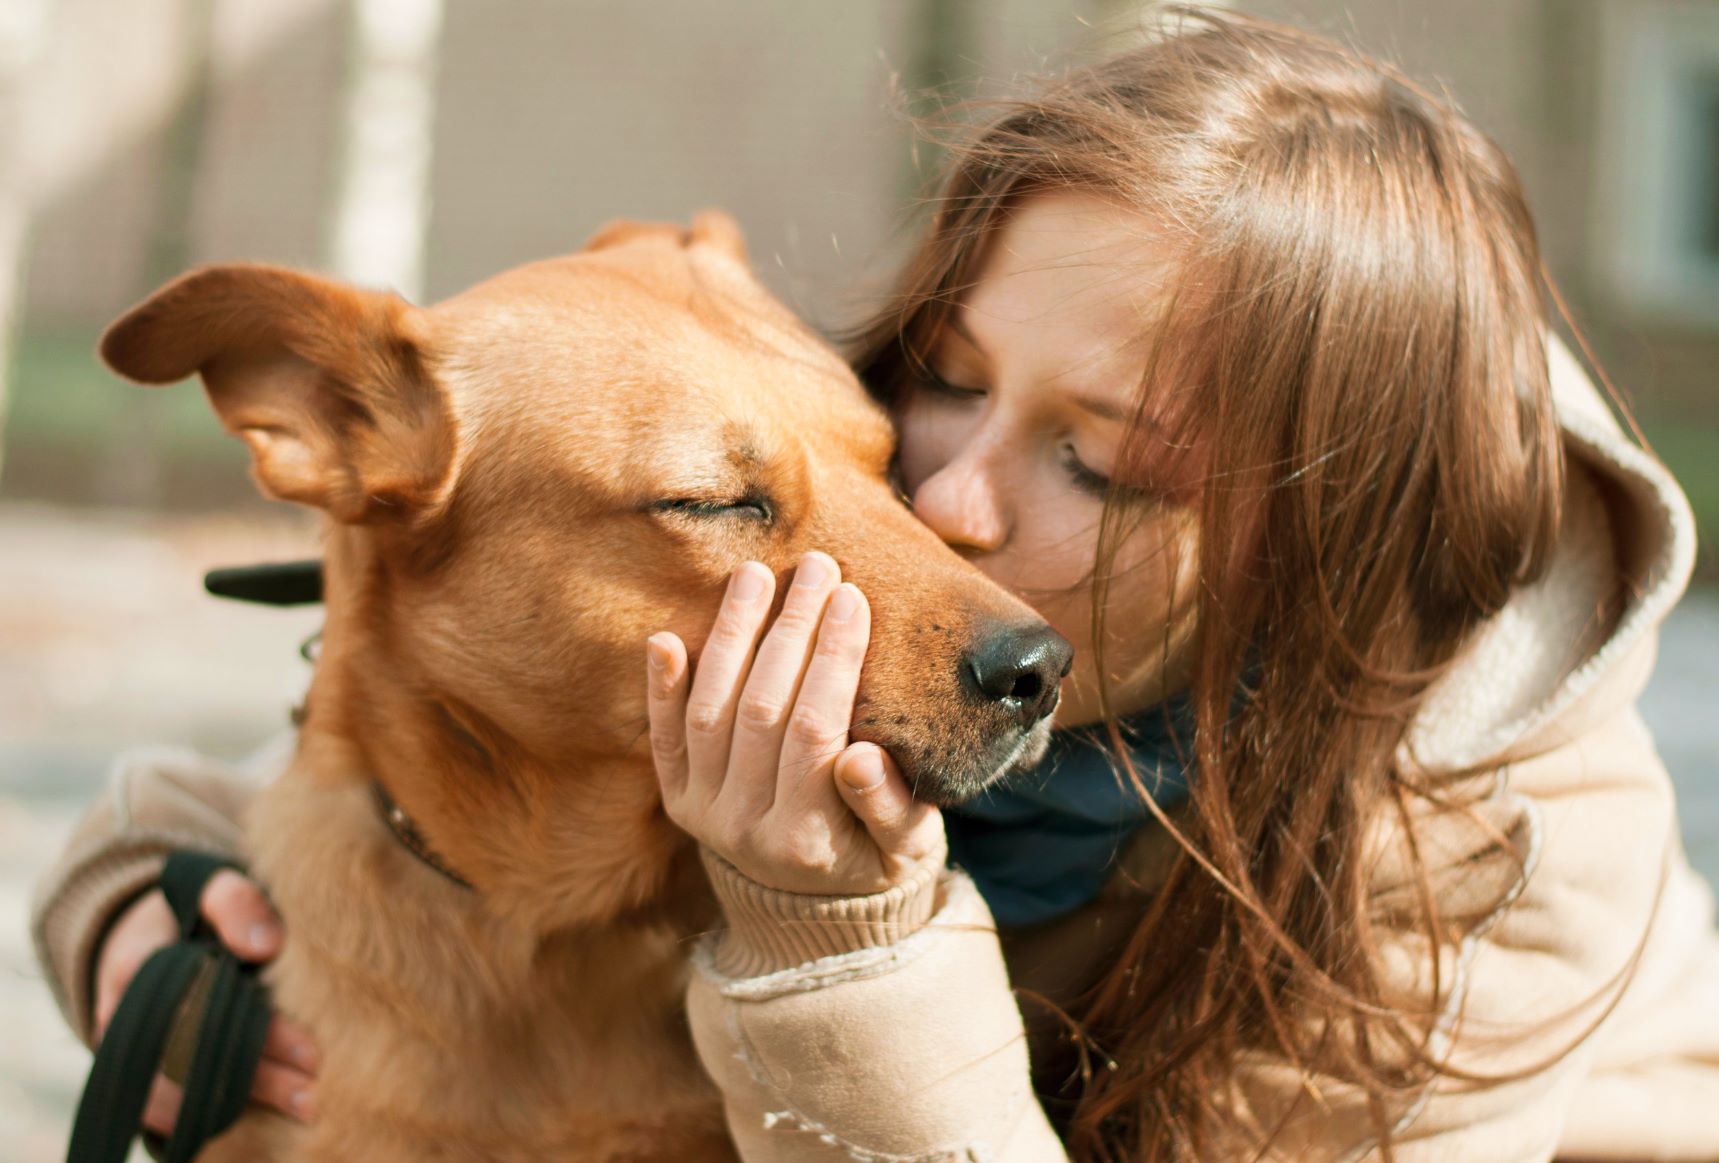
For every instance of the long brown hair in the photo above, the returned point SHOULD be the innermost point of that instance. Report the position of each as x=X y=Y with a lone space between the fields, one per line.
x=1356 y=343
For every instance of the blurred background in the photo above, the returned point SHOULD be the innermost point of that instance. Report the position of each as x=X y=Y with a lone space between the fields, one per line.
x=424 y=144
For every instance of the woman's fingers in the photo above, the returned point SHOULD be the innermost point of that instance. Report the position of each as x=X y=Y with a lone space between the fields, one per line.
x=287 y=1090
x=768 y=700
x=161 y=1110
x=666 y=691
x=291 y=1045
x=818 y=727
x=245 y=923
x=285 y=1080
x=722 y=669
x=145 y=926
x=749 y=746
x=234 y=906
x=904 y=830
x=241 y=915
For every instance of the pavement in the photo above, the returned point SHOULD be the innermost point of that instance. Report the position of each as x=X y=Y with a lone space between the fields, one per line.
x=107 y=642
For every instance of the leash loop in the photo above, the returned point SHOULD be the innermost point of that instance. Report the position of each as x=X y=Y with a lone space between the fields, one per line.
x=230 y=1033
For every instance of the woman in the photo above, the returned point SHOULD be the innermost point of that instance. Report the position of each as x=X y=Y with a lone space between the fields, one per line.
x=1230 y=356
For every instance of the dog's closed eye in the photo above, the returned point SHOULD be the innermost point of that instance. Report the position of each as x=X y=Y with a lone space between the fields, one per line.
x=755 y=508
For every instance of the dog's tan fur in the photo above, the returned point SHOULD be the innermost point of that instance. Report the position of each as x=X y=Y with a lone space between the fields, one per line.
x=495 y=469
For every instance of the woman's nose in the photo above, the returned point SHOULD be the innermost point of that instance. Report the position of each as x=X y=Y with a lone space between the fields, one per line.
x=961 y=504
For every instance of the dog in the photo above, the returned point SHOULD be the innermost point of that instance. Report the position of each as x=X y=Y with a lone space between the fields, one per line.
x=488 y=912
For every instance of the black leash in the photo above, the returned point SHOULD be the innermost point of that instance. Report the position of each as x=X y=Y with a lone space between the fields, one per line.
x=229 y=1033
x=224 y=1005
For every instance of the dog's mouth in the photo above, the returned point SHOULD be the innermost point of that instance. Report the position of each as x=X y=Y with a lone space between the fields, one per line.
x=945 y=773
x=962 y=707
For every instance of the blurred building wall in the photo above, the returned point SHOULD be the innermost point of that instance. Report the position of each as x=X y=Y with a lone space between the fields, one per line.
x=1533 y=74
x=551 y=117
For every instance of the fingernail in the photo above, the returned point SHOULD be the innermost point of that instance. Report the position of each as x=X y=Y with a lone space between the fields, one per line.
x=864 y=771
x=814 y=570
x=749 y=582
x=656 y=653
x=303 y=1104
x=843 y=605
x=263 y=936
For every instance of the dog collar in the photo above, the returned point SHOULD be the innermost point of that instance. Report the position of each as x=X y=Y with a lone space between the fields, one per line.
x=406 y=832
x=299 y=583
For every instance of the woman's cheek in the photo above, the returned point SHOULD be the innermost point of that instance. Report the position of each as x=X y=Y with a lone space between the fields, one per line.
x=1148 y=622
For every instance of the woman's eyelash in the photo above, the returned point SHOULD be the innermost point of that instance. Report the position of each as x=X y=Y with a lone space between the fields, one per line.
x=1085 y=479
x=943 y=387
x=1088 y=481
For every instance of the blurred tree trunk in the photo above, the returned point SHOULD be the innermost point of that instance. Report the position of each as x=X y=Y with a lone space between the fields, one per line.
x=132 y=472
x=940 y=69
x=23 y=35
x=383 y=213
x=182 y=142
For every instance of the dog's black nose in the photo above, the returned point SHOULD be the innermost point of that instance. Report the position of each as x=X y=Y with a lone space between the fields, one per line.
x=1020 y=669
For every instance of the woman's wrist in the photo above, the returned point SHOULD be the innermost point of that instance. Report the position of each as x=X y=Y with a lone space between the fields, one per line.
x=74 y=914
x=770 y=930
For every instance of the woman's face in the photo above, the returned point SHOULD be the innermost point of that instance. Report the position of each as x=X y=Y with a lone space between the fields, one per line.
x=1007 y=448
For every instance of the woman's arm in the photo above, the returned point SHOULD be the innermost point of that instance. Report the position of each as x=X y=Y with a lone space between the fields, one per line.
x=1598 y=982
x=97 y=916
x=856 y=1006
x=911 y=1050
x=1586 y=989
x=155 y=801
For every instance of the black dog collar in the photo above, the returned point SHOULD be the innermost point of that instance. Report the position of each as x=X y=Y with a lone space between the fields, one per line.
x=299 y=583
x=410 y=838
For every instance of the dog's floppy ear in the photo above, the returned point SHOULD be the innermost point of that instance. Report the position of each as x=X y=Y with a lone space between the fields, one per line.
x=326 y=384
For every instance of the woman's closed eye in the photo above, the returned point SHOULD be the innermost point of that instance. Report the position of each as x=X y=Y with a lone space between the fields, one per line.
x=1085 y=479
x=941 y=386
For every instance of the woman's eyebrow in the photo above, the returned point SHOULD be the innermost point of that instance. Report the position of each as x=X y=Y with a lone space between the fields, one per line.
x=1103 y=407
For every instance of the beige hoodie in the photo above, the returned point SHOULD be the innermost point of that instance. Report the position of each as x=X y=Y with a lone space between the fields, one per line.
x=886 y=1028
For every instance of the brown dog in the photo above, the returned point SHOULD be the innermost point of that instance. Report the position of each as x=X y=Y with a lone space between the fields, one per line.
x=522 y=483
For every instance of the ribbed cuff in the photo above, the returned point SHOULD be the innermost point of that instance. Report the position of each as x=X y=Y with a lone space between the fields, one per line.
x=770 y=930
x=72 y=923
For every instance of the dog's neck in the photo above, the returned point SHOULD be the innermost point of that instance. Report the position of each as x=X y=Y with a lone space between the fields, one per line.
x=546 y=853
x=556 y=838
x=557 y=977
x=389 y=961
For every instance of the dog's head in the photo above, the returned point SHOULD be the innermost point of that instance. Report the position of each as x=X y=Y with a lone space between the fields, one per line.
x=528 y=479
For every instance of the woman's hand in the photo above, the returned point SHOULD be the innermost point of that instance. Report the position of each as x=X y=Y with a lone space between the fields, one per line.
x=248 y=926
x=753 y=752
